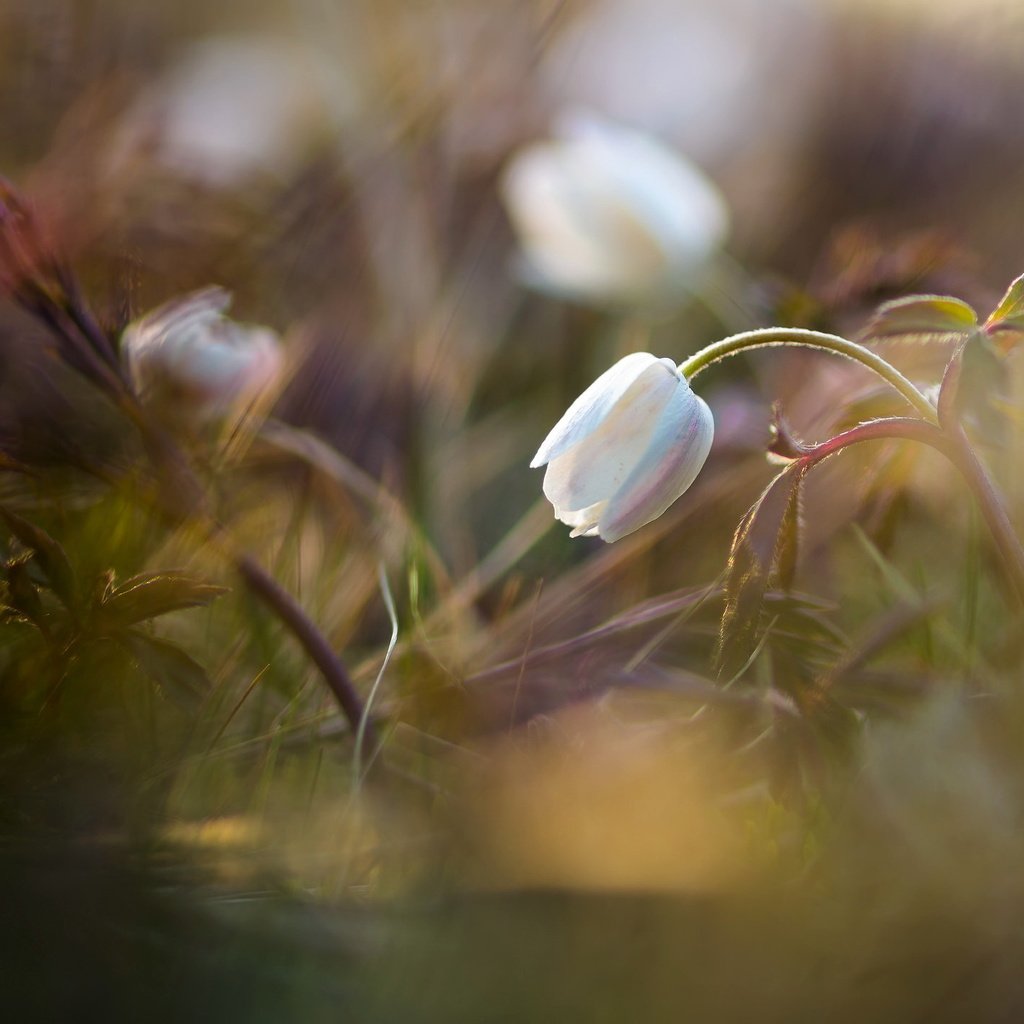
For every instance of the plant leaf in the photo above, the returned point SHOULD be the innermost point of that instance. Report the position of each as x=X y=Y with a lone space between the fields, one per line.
x=21 y=595
x=763 y=549
x=180 y=677
x=50 y=556
x=1011 y=306
x=150 y=594
x=1007 y=319
x=923 y=318
x=787 y=546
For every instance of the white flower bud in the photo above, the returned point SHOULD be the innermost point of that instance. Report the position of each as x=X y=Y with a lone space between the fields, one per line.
x=188 y=358
x=626 y=448
x=607 y=214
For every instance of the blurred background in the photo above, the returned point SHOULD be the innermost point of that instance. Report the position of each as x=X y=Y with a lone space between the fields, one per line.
x=580 y=822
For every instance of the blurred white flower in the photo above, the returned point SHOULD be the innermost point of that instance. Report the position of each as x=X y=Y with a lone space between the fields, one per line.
x=191 y=360
x=230 y=108
x=694 y=73
x=626 y=448
x=605 y=213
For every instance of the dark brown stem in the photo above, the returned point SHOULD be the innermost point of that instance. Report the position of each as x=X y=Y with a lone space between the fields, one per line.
x=952 y=442
x=315 y=644
x=82 y=317
x=81 y=357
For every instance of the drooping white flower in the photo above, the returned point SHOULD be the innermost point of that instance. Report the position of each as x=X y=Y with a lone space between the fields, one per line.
x=630 y=445
x=607 y=214
x=196 y=363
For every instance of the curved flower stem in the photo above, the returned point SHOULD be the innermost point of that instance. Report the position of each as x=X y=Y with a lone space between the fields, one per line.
x=774 y=336
x=953 y=444
x=900 y=428
x=316 y=646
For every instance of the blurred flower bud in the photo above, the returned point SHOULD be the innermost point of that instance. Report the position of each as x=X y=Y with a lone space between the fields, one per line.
x=626 y=448
x=192 y=361
x=231 y=108
x=605 y=213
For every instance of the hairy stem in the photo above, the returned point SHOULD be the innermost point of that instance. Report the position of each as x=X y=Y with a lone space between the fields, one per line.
x=775 y=336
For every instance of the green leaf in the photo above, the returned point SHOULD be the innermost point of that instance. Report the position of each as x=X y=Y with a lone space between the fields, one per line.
x=21 y=595
x=180 y=677
x=50 y=556
x=150 y=594
x=974 y=376
x=1008 y=316
x=922 y=317
x=1011 y=305
x=763 y=551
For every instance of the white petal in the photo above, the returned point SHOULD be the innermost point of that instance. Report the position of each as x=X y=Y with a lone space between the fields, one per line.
x=586 y=414
x=579 y=236
x=562 y=250
x=608 y=213
x=595 y=468
x=677 y=452
x=187 y=352
x=199 y=307
x=681 y=209
x=583 y=521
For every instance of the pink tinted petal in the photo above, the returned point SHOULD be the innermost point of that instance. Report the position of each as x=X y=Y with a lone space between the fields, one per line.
x=678 y=449
x=595 y=468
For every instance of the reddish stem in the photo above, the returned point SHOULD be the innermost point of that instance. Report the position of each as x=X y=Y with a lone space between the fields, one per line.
x=952 y=442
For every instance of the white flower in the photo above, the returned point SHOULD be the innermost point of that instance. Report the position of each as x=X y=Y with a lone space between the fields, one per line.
x=231 y=109
x=626 y=448
x=605 y=213
x=196 y=363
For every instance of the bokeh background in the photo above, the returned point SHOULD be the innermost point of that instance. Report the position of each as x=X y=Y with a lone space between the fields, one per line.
x=581 y=821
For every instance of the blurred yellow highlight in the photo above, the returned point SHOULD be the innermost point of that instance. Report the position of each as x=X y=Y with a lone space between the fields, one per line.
x=584 y=801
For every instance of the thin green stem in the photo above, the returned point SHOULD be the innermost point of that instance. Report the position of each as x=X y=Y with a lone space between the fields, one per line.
x=775 y=336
